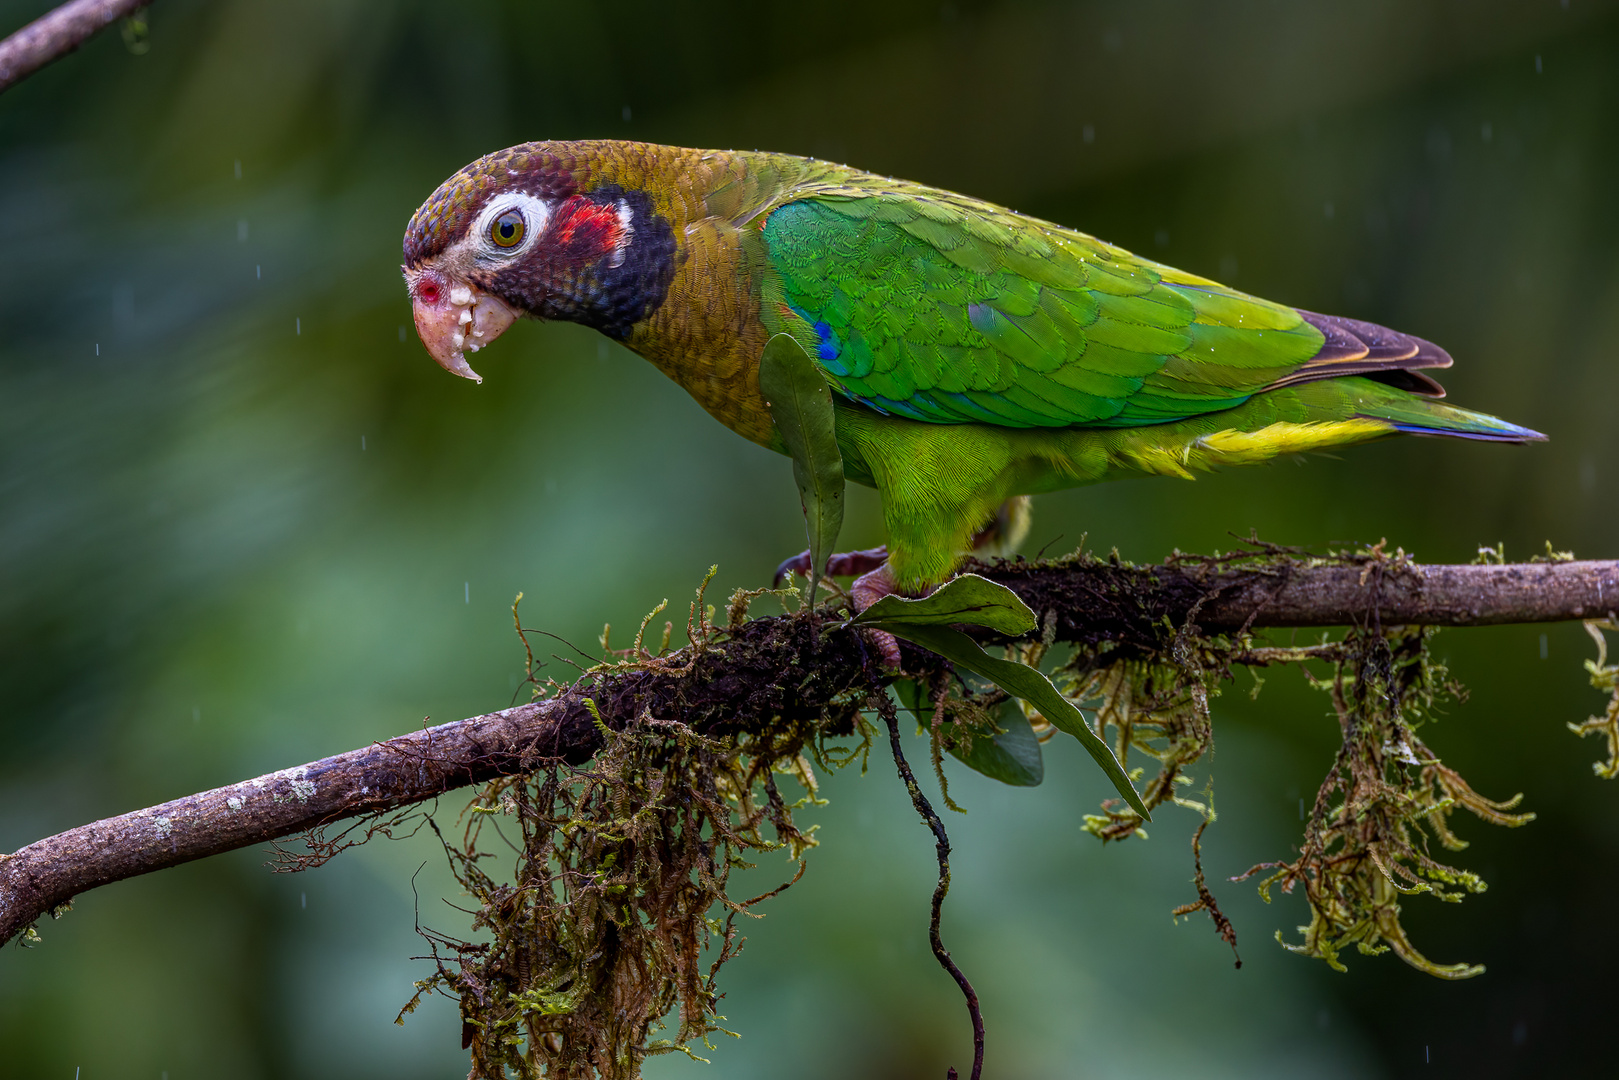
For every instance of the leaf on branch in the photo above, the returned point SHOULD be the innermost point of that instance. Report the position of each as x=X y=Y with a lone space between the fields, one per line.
x=966 y=598
x=1019 y=680
x=1011 y=754
x=800 y=404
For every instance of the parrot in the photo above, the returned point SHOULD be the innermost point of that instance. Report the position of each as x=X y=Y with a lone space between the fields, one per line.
x=976 y=356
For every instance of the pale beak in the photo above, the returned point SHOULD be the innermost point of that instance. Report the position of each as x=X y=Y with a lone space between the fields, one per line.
x=454 y=318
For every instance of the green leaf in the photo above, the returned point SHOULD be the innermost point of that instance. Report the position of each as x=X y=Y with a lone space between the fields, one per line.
x=800 y=403
x=1011 y=755
x=1027 y=683
x=966 y=598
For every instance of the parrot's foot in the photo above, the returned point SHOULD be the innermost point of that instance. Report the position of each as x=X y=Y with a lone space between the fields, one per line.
x=844 y=564
x=867 y=589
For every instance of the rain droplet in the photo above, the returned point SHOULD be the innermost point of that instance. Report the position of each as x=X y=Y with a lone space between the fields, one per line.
x=467 y=587
x=298 y=326
x=1545 y=646
x=1327 y=209
x=1487 y=133
x=303 y=900
x=362 y=444
x=258 y=271
x=98 y=348
x=1088 y=133
x=241 y=231
x=1537 y=63
x=238 y=168
x=626 y=114
x=401 y=333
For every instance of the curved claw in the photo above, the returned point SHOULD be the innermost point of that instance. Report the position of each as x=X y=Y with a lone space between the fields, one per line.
x=798 y=564
x=843 y=564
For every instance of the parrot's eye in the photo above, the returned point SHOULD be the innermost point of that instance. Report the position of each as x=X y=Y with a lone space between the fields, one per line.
x=507 y=230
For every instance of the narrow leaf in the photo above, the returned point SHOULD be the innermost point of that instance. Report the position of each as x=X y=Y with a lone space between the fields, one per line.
x=1025 y=682
x=801 y=405
x=966 y=598
x=1011 y=755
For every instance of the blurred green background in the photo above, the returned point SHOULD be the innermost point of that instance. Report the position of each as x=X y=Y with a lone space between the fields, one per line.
x=245 y=521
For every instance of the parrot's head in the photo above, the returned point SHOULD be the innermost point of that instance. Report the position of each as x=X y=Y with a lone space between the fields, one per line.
x=540 y=230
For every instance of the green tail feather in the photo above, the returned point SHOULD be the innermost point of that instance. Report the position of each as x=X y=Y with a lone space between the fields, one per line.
x=1424 y=416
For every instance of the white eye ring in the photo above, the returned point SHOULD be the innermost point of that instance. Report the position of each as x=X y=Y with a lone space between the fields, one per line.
x=536 y=213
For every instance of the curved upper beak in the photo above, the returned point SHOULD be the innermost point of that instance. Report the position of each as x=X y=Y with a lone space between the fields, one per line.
x=454 y=318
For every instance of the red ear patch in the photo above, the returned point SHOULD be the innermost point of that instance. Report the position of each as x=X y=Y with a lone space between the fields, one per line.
x=582 y=230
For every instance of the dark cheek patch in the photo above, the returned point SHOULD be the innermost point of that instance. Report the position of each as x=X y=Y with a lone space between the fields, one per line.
x=583 y=230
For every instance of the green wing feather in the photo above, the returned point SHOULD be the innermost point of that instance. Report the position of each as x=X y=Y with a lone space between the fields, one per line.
x=932 y=306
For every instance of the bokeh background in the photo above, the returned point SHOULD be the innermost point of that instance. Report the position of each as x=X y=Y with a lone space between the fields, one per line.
x=245 y=522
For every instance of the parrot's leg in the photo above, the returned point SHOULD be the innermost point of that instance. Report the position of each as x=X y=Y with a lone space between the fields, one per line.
x=844 y=564
x=1001 y=535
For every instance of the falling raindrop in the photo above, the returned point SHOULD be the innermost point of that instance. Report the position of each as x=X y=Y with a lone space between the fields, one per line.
x=467 y=589
x=298 y=326
x=241 y=231
x=303 y=900
x=1487 y=133
x=1088 y=133
x=258 y=271
x=1544 y=646
x=401 y=333
x=1537 y=63
x=362 y=444
x=626 y=114
x=98 y=348
x=238 y=168
x=1328 y=210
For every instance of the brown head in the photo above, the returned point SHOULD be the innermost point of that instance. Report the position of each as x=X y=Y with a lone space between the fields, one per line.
x=543 y=230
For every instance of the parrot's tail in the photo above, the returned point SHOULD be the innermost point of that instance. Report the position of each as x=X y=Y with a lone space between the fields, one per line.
x=1425 y=416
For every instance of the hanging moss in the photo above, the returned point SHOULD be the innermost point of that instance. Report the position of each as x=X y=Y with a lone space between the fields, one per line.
x=601 y=943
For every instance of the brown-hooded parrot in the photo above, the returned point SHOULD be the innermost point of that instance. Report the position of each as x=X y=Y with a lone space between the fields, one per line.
x=975 y=355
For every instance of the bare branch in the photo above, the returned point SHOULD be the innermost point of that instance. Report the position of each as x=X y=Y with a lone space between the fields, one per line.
x=56 y=34
x=740 y=684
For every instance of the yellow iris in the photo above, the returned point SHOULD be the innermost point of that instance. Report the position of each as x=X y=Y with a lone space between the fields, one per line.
x=507 y=230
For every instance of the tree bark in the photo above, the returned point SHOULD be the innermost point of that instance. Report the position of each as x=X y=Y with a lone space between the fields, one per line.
x=56 y=34
x=779 y=667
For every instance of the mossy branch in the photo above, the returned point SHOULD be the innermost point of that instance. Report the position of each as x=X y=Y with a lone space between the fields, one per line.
x=768 y=672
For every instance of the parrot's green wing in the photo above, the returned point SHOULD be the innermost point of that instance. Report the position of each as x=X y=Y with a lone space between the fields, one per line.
x=929 y=305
